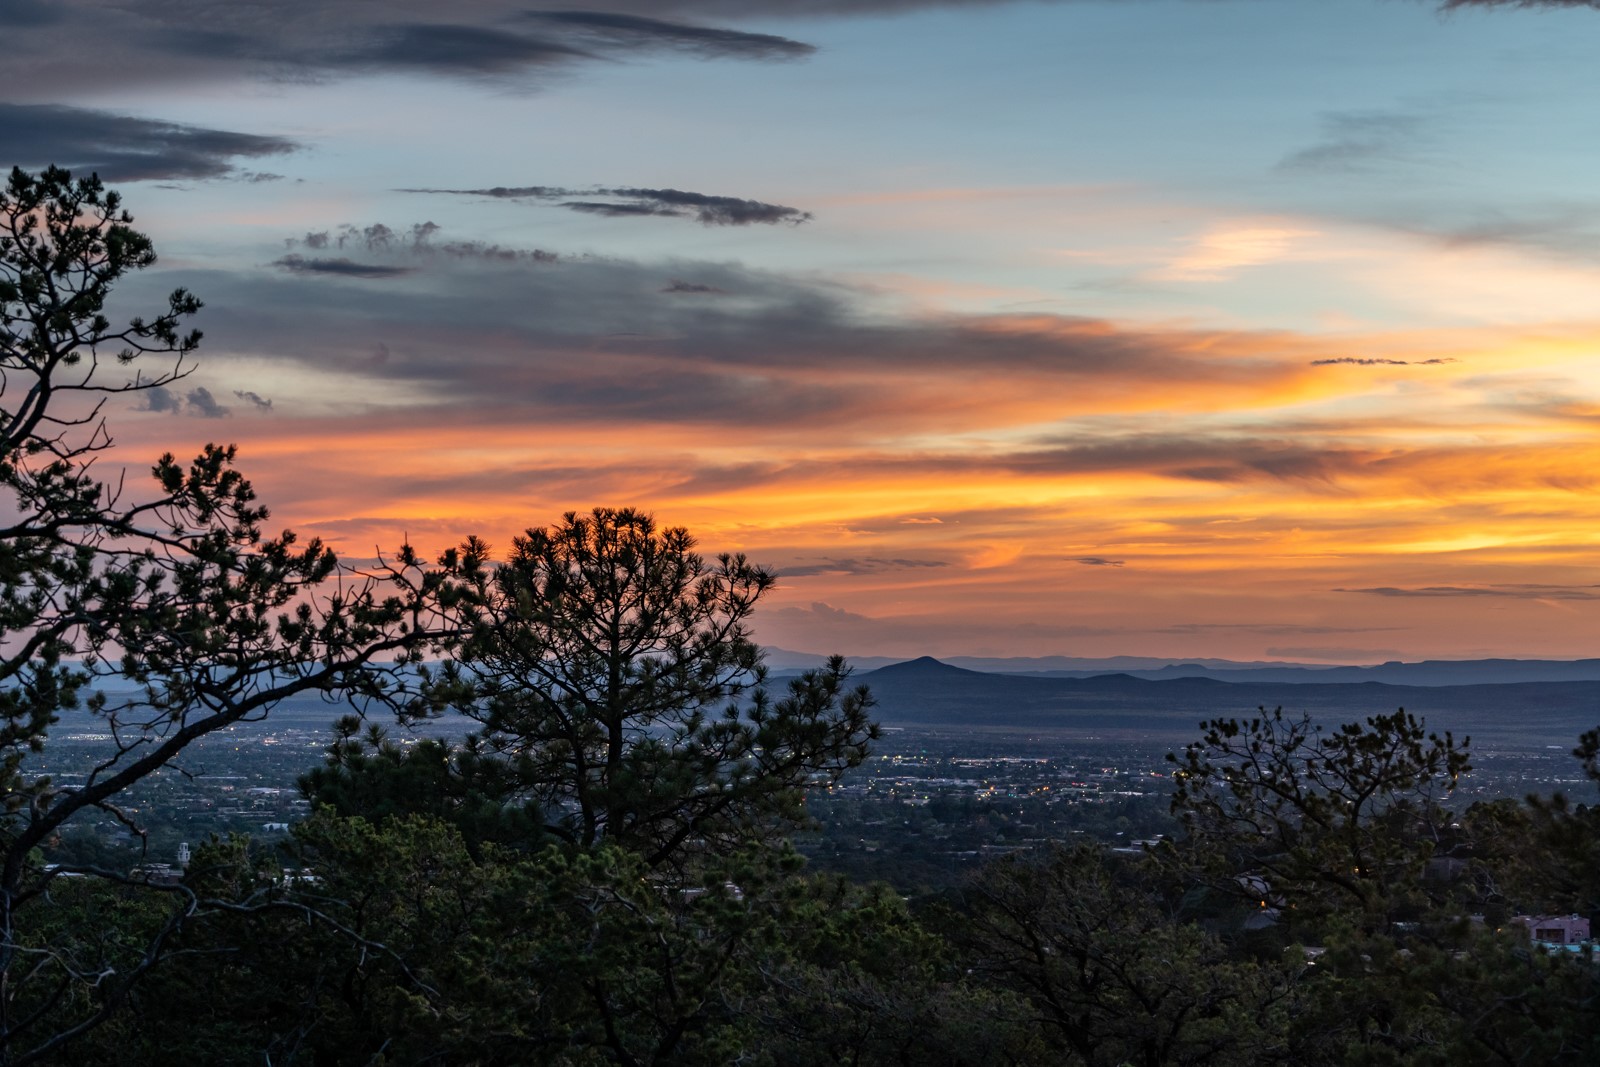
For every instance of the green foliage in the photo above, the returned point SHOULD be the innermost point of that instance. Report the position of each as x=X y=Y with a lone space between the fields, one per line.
x=1276 y=809
x=625 y=721
x=845 y=974
x=406 y=949
x=1108 y=974
x=608 y=672
x=1337 y=831
x=177 y=601
x=370 y=775
x=1556 y=861
x=1447 y=993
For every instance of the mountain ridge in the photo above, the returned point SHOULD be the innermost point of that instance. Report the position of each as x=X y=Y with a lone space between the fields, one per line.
x=1427 y=672
x=930 y=692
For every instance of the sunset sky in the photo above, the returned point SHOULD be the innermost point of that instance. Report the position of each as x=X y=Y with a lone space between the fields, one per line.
x=1259 y=329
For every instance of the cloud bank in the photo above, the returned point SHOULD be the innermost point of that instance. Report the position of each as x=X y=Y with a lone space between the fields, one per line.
x=173 y=42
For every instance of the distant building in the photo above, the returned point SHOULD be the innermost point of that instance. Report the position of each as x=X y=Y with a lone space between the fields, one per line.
x=1560 y=930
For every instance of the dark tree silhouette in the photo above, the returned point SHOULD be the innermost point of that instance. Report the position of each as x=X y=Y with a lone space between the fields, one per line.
x=1342 y=819
x=165 y=617
x=622 y=697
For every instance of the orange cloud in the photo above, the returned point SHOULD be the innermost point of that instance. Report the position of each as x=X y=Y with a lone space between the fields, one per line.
x=940 y=480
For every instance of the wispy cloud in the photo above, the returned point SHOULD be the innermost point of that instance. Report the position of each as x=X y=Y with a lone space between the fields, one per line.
x=637 y=31
x=633 y=202
x=1359 y=141
x=1375 y=361
x=256 y=400
x=1213 y=458
x=1566 y=230
x=447 y=49
x=1525 y=591
x=124 y=148
x=677 y=285
x=342 y=267
x=1219 y=255
x=866 y=565
x=1451 y=4
x=816 y=610
x=1269 y=627
x=416 y=242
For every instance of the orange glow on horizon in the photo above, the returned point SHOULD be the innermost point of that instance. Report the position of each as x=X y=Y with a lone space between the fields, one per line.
x=1406 y=507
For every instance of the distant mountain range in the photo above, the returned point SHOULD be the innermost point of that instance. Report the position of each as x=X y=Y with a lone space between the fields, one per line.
x=1432 y=672
x=1511 y=703
x=928 y=692
x=785 y=659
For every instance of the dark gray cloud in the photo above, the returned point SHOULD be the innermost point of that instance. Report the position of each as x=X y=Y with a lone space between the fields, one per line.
x=1360 y=140
x=637 y=31
x=259 y=402
x=161 y=399
x=125 y=149
x=482 y=250
x=341 y=267
x=199 y=401
x=98 y=44
x=20 y=13
x=867 y=565
x=1364 y=361
x=619 y=210
x=714 y=210
x=692 y=288
x=1525 y=591
x=448 y=49
x=1241 y=456
x=1099 y=561
x=416 y=242
x=202 y=403
x=1217 y=458
x=561 y=340
x=626 y=201
x=504 y=192
x=197 y=41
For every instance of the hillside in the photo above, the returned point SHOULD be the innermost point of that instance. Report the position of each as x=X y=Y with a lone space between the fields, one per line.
x=926 y=691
